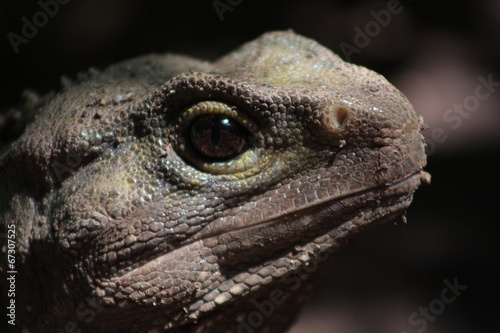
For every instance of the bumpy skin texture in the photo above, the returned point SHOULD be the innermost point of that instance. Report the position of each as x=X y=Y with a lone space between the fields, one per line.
x=123 y=227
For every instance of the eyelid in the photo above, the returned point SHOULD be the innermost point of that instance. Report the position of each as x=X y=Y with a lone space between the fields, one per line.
x=241 y=166
x=220 y=108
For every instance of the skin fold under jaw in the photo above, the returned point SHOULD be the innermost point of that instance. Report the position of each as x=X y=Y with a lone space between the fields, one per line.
x=207 y=199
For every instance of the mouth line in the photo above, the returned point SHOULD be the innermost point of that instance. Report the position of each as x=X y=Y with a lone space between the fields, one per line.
x=207 y=232
x=309 y=209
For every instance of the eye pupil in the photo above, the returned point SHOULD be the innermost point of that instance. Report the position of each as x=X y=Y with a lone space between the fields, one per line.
x=218 y=137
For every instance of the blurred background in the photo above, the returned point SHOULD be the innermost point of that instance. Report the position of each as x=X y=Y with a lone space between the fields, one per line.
x=443 y=55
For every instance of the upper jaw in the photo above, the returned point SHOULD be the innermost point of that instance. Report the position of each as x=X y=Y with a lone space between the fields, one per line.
x=403 y=188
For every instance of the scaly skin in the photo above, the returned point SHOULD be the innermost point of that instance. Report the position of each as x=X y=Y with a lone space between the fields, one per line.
x=126 y=222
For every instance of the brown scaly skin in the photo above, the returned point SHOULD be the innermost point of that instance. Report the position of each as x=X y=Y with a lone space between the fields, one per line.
x=123 y=226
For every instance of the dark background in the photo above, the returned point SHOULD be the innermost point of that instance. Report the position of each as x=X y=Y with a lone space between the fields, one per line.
x=433 y=51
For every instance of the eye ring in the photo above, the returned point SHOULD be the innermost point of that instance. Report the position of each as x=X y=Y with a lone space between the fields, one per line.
x=210 y=154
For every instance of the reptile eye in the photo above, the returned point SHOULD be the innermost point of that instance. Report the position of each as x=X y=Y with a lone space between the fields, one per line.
x=218 y=137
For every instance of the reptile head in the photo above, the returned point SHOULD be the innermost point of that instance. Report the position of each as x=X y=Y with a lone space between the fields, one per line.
x=170 y=194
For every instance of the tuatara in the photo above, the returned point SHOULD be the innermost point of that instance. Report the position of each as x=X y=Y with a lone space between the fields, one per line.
x=171 y=194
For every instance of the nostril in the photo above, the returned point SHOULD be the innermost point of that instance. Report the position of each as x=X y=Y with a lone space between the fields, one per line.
x=334 y=119
x=340 y=116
